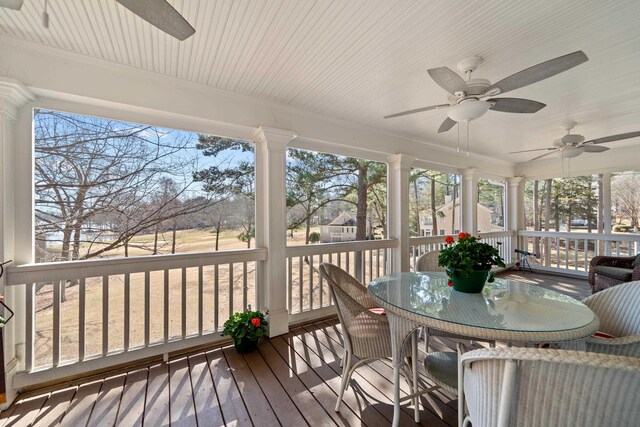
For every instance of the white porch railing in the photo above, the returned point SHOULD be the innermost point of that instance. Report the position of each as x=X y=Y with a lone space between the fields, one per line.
x=421 y=245
x=307 y=293
x=571 y=252
x=80 y=313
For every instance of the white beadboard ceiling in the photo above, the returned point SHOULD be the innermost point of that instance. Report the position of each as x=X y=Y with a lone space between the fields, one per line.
x=362 y=59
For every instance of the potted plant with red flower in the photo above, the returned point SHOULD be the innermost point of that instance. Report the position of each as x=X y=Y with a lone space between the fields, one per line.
x=468 y=262
x=246 y=328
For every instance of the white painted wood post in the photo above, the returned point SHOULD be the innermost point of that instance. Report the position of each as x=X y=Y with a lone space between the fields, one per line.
x=606 y=208
x=271 y=225
x=398 y=210
x=469 y=201
x=515 y=210
x=12 y=95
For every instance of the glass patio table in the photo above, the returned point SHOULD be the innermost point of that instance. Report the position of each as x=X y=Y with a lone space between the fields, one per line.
x=506 y=310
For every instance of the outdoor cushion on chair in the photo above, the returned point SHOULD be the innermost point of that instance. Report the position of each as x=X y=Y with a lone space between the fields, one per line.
x=619 y=273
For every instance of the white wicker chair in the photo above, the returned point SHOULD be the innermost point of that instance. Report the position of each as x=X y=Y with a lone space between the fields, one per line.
x=542 y=387
x=366 y=334
x=429 y=262
x=618 y=309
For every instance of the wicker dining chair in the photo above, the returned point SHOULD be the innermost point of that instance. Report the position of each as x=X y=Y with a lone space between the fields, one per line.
x=618 y=309
x=366 y=333
x=542 y=387
x=429 y=262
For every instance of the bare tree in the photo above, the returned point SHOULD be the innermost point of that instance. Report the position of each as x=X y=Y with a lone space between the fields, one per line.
x=95 y=178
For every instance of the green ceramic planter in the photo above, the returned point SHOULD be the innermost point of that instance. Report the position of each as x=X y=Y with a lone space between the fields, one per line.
x=471 y=283
x=246 y=346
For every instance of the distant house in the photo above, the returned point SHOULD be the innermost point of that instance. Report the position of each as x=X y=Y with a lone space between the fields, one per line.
x=445 y=216
x=341 y=229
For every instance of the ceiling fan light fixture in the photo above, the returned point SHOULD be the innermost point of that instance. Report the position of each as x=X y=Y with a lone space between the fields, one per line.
x=467 y=110
x=571 y=152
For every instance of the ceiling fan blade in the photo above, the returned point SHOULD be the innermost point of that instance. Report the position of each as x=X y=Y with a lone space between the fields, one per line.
x=613 y=138
x=11 y=4
x=528 y=151
x=417 y=110
x=545 y=154
x=446 y=125
x=162 y=15
x=516 y=105
x=539 y=72
x=593 y=148
x=448 y=80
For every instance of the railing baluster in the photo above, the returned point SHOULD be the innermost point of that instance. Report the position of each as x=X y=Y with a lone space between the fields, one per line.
x=183 y=319
x=558 y=252
x=105 y=315
x=245 y=286
x=231 y=290
x=30 y=289
x=575 y=254
x=370 y=251
x=300 y=283
x=567 y=247
x=166 y=305
x=216 y=297
x=348 y=261
x=290 y=287
x=310 y=266
x=201 y=299
x=56 y=321
x=320 y=281
x=147 y=308
x=586 y=252
x=127 y=309
x=82 y=312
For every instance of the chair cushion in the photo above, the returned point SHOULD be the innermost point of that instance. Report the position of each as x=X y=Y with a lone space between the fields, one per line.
x=618 y=273
x=379 y=311
x=636 y=263
x=600 y=334
x=364 y=326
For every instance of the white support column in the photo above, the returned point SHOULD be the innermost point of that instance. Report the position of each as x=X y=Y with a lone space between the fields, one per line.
x=469 y=201
x=12 y=95
x=271 y=225
x=515 y=208
x=398 y=209
x=606 y=208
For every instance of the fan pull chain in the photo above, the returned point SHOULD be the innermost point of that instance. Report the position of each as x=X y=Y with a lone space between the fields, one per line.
x=468 y=138
x=458 y=137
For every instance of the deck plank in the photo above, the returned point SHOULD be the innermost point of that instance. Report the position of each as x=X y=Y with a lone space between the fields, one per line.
x=132 y=401
x=105 y=410
x=307 y=375
x=182 y=410
x=232 y=405
x=257 y=404
x=156 y=407
x=283 y=406
x=26 y=411
x=79 y=411
x=208 y=412
x=54 y=408
x=360 y=403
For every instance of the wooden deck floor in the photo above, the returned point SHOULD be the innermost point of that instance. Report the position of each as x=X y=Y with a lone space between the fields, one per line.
x=293 y=380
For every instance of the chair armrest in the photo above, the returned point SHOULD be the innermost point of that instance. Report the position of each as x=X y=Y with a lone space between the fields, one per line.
x=635 y=275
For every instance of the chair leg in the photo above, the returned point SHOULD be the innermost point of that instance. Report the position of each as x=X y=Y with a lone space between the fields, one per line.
x=346 y=374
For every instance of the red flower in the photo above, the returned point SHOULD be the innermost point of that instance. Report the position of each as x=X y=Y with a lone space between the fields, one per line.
x=450 y=282
x=448 y=239
x=255 y=322
x=464 y=235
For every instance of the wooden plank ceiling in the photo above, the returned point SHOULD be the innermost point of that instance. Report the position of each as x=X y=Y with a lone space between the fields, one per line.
x=362 y=59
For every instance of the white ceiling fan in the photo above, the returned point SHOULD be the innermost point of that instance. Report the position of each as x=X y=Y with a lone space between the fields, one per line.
x=158 y=13
x=572 y=145
x=470 y=99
